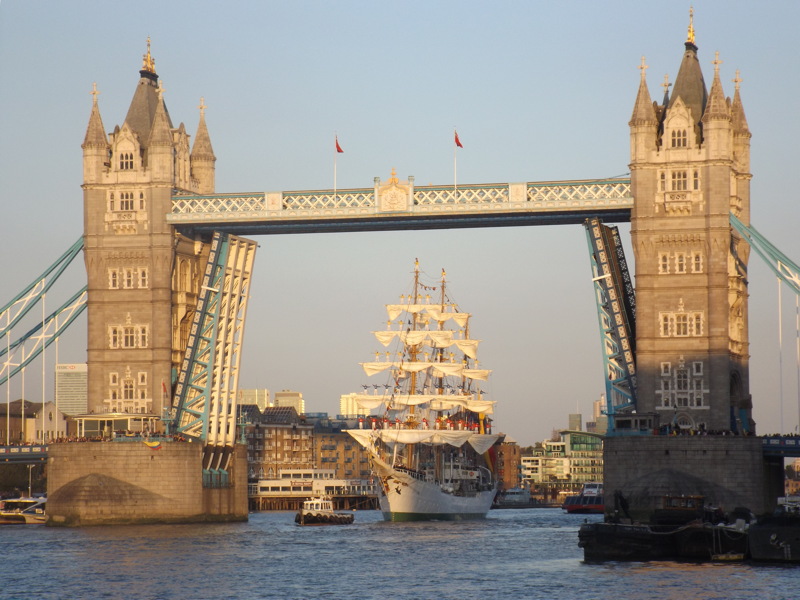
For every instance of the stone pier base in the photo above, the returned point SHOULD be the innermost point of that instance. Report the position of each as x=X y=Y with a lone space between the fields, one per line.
x=102 y=483
x=729 y=471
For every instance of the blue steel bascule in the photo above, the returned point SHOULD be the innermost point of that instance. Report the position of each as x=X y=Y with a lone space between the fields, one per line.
x=204 y=400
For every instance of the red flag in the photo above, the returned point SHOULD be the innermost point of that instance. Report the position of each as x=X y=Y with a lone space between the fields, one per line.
x=458 y=141
x=338 y=147
x=164 y=387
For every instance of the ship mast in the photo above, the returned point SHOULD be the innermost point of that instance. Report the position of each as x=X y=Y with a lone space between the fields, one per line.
x=412 y=348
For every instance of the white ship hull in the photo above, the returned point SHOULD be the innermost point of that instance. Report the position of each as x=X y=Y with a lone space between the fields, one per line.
x=406 y=498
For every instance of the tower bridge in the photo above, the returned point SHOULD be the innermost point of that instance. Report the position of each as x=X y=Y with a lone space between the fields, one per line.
x=168 y=278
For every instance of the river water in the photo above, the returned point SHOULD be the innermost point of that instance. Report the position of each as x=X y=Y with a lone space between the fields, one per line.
x=524 y=553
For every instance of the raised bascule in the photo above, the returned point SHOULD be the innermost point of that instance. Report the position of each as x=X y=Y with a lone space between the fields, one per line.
x=168 y=273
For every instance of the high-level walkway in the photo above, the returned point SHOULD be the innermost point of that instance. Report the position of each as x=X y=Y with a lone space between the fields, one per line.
x=402 y=205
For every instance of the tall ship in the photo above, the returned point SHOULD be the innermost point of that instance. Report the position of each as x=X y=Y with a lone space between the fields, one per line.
x=429 y=434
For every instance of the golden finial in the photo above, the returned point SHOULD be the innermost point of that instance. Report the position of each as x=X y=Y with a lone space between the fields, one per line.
x=666 y=85
x=393 y=177
x=716 y=62
x=95 y=93
x=643 y=67
x=202 y=106
x=148 y=62
x=737 y=80
x=690 y=33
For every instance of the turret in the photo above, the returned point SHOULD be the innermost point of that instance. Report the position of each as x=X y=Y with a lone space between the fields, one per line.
x=159 y=145
x=95 y=145
x=643 y=121
x=716 y=119
x=203 y=159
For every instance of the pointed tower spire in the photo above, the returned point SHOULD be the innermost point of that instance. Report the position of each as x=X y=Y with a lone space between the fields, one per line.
x=666 y=85
x=145 y=99
x=95 y=132
x=95 y=144
x=690 y=86
x=160 y=133
x=717 y=106
x=202 y=141
x=643 y=112
x=202 y=157
x=737 y=110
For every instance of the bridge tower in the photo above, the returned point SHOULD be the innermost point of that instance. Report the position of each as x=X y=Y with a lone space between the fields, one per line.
x=143 y=276
x=690 y=168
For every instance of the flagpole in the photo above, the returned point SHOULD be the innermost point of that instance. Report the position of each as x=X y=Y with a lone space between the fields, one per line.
x=455 y=165
x=335 y=155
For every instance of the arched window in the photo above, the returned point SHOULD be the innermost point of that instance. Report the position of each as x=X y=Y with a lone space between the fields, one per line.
x=679 y=138
x=679 y=181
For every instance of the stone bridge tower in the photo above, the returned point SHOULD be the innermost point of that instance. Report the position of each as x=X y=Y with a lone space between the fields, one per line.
x=142 y=275
x=690 y=168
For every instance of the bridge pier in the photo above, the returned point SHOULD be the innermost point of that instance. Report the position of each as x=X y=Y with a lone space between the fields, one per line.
x=103 y=483
x=728 y=471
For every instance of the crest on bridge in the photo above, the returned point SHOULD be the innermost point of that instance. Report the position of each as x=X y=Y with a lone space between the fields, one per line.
x=394 y=197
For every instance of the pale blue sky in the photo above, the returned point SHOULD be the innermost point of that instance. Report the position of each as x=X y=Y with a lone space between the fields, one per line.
x=537 y=90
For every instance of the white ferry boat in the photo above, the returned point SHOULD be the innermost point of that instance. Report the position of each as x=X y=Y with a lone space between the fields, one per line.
x=19 y=511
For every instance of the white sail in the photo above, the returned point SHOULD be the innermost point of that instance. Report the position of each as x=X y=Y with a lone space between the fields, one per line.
x=429 y=427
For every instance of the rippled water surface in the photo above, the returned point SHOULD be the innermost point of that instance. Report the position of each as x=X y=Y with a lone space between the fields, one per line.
x=531 y=553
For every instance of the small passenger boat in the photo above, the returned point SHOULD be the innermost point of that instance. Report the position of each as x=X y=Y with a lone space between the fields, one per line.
x=19 y=511
x=319 y=511
x=589 y=501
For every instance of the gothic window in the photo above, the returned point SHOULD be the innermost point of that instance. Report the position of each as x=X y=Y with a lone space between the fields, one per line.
x=143 y=280
x=128 y=283
x=663 y=263
x=698 y=392
x=697 y=368
x=114 y=338
x=113 y=379
x=129 y=337
x=662 y=183
x=698 y=327
x=126 y=201
x=665 y=325
x=666 y=369
x=681 y=325
x=696 y=180
x=679 y=138
x=143 y=337
x=682 y=380
x=697 y=262
x=126 y=161
x=127 y=389
x=680 y=262
x=142 y=378
x=113 y=279
x=679 y=181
